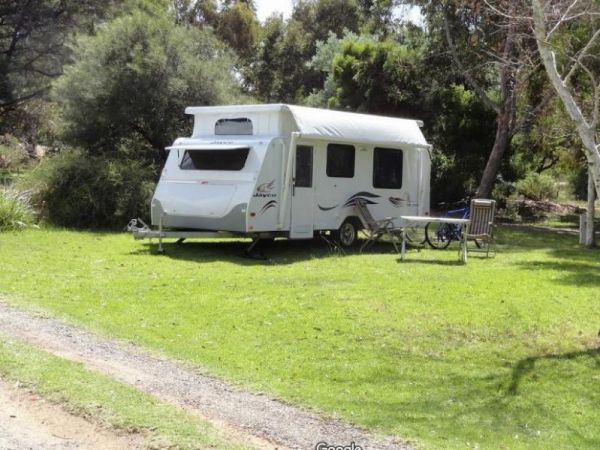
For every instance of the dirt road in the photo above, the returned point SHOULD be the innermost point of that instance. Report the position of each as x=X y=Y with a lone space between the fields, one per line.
x=29 y=422
x=267 y=422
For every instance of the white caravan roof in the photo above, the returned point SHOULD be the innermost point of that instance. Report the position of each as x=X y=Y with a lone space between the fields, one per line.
x=330 y=124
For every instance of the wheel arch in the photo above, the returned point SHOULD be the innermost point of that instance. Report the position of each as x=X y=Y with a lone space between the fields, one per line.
x=355 y=220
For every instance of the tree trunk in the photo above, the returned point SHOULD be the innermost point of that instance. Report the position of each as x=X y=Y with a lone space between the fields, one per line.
x=505 y=115
x=495 y=159
x=586 y=132
x=589 y=238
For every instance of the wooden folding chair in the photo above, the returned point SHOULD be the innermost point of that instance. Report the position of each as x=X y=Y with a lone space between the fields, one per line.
x=481 y=227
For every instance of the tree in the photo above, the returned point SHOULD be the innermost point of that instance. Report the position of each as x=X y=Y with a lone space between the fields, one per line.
x=237 y=26
x=129 y=84
x=378 y=77
x=581 y=73
x=495 y=56
x=32 y=44
x=400 y=77
x=280 y=70
x=196 y=12
x=377 y=16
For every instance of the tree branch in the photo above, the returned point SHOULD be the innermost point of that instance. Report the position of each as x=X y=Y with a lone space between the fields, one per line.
x=579 y=57
x=8 y=106
x=472 y=82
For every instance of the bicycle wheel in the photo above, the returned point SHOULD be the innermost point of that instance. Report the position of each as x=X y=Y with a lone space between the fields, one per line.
x=438 y=235
x=415 y=235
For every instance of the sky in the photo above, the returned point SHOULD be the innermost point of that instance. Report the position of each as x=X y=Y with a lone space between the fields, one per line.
x=266 y=7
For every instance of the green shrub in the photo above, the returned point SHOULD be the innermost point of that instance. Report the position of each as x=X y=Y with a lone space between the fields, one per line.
x=501 y=193
x=74 y=189
x=538 y=187
x=15 y=210
x=12 y=153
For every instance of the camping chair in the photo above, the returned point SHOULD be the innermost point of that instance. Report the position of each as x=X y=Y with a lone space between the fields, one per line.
x=481 y=227
x=375 y=229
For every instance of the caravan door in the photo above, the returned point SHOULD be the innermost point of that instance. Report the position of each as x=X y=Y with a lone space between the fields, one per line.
x=303 y=194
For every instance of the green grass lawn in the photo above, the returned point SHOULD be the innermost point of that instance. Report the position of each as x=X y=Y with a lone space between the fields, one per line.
x=105 y=401
x=500 y=353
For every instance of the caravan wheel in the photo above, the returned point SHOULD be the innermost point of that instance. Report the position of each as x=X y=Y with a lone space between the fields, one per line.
x=347 y=235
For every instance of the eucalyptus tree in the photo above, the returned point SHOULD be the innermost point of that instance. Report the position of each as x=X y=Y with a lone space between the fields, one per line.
x=493 y=51
x=568 y=39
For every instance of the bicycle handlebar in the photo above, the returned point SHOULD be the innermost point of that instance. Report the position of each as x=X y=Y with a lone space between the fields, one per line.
x=462 y=202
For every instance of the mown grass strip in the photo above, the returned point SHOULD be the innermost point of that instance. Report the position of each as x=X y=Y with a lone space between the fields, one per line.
x=499 y=353
x=103 y=400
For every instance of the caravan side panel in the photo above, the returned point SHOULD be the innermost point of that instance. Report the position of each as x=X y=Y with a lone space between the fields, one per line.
x=265 y=202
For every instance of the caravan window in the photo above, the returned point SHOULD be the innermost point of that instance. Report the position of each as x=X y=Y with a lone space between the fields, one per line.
x=226 y=159
x=239 y=126
x=387 y=168
x=304 y=166
x=340 y=161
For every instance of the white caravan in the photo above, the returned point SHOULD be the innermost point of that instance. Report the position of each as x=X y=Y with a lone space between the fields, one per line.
x=283 y=170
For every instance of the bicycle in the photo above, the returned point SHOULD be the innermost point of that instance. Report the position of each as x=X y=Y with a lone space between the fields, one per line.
x=440 y=235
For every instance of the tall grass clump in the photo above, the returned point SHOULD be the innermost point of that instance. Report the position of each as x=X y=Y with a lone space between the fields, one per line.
x=78 y=190
x=15 y=210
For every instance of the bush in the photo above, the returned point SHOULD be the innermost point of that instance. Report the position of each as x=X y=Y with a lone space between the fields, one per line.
x=502 y=191
x=12 y=153
x=132 y=80
x=73 y=189
x=537 y=187
x=15 y=210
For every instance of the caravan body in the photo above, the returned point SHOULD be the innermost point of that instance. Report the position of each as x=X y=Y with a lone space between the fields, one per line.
x=290 y=170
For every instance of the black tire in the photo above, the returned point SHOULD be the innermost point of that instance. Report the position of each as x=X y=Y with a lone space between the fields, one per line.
x=347 y=235
x=438 y=235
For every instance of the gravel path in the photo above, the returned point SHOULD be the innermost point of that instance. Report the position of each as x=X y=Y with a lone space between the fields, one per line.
x=29 y=422
x=260 y=420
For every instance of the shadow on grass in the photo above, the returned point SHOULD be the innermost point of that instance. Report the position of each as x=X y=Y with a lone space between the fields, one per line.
x=525 y=240
x=455 y=402
x=434 y=262
x=575 y=269
x=527 y=365
x=279 y=252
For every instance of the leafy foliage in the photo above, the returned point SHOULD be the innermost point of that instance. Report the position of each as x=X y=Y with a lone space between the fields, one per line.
x=132 y=81
x=281 y=70
x=462 y=131
x=537 y=186
x=237 y=26
x=75 y=189
x=362 y=69
x=12 y=153
x=32 y=50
